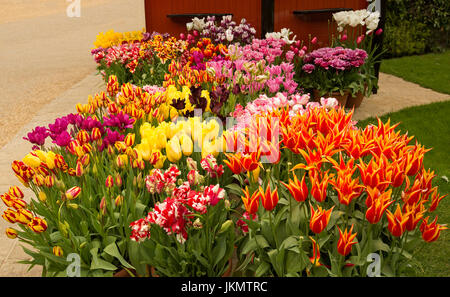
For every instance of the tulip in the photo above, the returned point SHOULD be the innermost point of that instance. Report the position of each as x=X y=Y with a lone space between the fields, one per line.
x=431 y=232
x=379 y=31
x=397 y=221
x=19 y=204
x=173 y=150
x=96 y=134
x=316 y=253
x=345 y=242
x=415 y=212
x=24 y=216
x=119 y=200
x=319 y=189
x=359 y=39
x=73 y=193
x=16 y=192
x=118 y=180
x=83 y=137
x=435 y=199
x=57 y=251
x=38 y=225
x=10 y=215
x=251 y=204
x=187 y=145
x=129 y=139
x=7 y=199
x=31 y=160
x=79 y=170
x=11 y=233
x=49 y=181
x=319 y=219
x=298 y=189
x=269 y=198
x=344 y=37
x=378 y=206
x=251 y=161
x=234 y=163
x=314 y=40
x=109 y=183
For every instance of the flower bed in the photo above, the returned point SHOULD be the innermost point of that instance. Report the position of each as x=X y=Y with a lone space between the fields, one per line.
x=212 y=160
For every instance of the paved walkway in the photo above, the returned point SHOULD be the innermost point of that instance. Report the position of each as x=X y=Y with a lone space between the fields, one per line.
x=394 y=94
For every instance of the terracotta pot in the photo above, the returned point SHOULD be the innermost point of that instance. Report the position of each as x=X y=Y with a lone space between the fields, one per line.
x=342 y=99
x=123 y=273
x=354 y=102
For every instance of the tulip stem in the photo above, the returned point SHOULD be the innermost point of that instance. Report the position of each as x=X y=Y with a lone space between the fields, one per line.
x=273 y=229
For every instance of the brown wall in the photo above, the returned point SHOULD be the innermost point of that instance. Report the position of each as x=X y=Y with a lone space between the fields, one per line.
x=315 y=24
x=156 y=12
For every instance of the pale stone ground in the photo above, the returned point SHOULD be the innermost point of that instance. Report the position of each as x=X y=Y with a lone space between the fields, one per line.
x=48 y=57
x=44 y=55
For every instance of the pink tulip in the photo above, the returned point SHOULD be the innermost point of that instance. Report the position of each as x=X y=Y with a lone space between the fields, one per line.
x=314 y=40
x=182 y=36
x=360 y=39
x=379 y=31
x=195 y=33
x=344 y=37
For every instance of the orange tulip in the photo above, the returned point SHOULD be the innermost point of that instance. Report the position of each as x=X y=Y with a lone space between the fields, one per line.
x=234 y=163
x=250 y=161
x=397 y=221
x=316 y=253
x=431 y=232
x=377 y=207
x=269 y=198
x=345 y=242
x=347 y=187
x=416 y=212
x=319 y=219
x=319 y=189
x=251 y=204
x=298 y=189
x=435 y=199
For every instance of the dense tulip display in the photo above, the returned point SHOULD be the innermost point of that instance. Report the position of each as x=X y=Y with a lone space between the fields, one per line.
x=209 y=159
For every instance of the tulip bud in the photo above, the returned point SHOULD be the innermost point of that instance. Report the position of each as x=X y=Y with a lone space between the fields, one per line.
x=129 y=139
x=57 y=251
x=72 y=205
x=227 y=204
x=226 y=226
x=344 y=37
x=11 y=233
x=379 y=31
x=109 y=183
x=103 y=206
x=314 y=40
x=73 y=193
x=182 y=36
x=16 y=192
x=79 y=170
x=42 y=196
x=119 y=200
x=49 y=181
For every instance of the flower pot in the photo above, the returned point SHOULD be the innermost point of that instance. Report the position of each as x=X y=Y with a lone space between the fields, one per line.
x=354 y=102
x=342 y=99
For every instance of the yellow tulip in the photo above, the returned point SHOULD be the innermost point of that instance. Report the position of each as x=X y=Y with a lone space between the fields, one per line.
x=31 y=161
x=173 y=150
x=42 y=196
x=50 y=159
x=187 y=145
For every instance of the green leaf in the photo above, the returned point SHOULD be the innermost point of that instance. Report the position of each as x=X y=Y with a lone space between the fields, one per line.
x=219 y=250
x=112 y=250
x=262 y=269
x=249 y=246
x=379 y=245
x=289 y=242
x=98 y=263
x=261 y=241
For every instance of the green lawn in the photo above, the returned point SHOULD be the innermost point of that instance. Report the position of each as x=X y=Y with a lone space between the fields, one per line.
x=430 y=70
x=430 y=124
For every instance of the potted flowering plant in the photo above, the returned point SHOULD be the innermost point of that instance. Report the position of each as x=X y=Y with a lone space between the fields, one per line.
x=331 y=71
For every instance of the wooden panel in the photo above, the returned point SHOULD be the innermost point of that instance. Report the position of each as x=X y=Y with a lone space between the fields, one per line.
x=156 y=12
x=315 y=24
